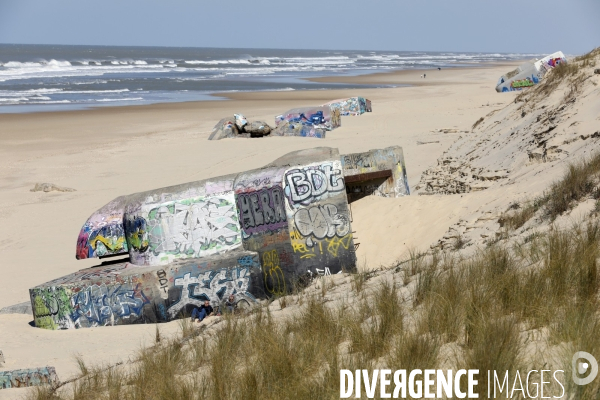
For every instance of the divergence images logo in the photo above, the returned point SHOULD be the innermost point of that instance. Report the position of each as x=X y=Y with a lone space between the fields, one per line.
x=580 y=367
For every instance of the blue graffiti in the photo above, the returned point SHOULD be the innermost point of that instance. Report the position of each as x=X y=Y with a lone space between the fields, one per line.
x=247 y=261
x=101 y=305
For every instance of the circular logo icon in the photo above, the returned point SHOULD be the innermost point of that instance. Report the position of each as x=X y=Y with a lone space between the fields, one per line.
x=581 y=367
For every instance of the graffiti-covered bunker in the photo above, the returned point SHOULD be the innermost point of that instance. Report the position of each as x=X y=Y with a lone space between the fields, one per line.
x=254 y=234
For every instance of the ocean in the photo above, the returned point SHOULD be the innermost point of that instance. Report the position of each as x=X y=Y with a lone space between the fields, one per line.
x=49 y=77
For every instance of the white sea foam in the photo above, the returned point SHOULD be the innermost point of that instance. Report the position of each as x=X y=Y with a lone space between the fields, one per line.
x=122 y=99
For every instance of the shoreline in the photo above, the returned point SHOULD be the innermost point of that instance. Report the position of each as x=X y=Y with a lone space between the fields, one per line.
x=401 y=77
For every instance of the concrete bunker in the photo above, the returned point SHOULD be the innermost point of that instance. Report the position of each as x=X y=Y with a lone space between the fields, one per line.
x=254 y=234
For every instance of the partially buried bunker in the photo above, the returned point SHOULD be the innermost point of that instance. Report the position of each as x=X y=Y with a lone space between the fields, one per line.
x=254 y=234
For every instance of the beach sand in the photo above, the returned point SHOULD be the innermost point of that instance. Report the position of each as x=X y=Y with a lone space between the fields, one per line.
x=107 y=152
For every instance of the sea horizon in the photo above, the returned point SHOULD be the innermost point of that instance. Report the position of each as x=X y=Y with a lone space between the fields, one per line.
x=37 y=78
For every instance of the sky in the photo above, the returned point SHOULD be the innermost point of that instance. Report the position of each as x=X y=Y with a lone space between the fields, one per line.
x=508 y=26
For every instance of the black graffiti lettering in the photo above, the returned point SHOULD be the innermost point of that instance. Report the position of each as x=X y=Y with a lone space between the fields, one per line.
x=256 y=211
x=261 y=208
x=319 y=181
x=246 y=213
x=162 y=280
x=334 y=178
x=277 y=198
x=313 y=182
x=299 y=185
x=268 y=213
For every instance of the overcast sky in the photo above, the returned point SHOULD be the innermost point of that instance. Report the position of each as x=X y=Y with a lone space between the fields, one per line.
x=523 y=26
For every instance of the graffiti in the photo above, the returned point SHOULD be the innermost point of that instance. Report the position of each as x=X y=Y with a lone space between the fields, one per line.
x=323 y=272
x=261 y=211
x=321 y=222
x=247 y=261
x=162 y=310
x=106 y=240
x=102 y=305
x=52 y=307
x=522 y=83
x=324 y=117
x=351 y=106
x=553 y=62
x=309 y=184
x=213 y=286
x=163 y=283
x=96 y=234
x=137 y=237
x=310 y=249
x=193 y=228
x=28 y=377
x=274 y=279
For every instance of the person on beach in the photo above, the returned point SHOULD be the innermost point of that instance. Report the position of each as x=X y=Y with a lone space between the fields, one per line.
x=230 y=304
x=204 y=311
x=424 y=75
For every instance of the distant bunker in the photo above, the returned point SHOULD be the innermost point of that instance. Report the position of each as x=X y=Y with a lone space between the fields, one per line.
x=254 y=234
x=304 y=122
x=529 y=73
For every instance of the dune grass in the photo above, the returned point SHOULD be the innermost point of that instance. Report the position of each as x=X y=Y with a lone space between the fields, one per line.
x=484 y=308
x=581 y=181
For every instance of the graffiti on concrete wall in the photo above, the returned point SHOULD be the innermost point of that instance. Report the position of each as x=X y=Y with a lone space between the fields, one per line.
x=318 y=215
x=187 y=228
x=262 y=210
x=126 y=294
x=137 y=233
x=102 y=234
x=273 y=274
x=351 y=106
x=52 y=307
x=320 y=222
x=60 y=307
x=28 y=377
x=102 y=241
x=329 y=247
x=313 y=183
x=214 y=286
x=105 y=305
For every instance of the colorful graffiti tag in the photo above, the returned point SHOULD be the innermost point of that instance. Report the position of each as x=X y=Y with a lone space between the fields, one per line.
x=28 y=377
x=185 y=229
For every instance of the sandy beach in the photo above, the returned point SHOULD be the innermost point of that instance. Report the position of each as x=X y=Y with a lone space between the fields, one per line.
x=106 y=152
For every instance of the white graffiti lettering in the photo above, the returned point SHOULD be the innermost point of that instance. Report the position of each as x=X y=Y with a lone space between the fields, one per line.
x=321 y=222
x=213 y=286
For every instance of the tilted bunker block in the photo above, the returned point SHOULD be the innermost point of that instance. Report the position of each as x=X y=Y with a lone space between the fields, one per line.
x=351 y=106
x=28 y=377
x=379 y=172
x=226 y=128
x=529 y=73
x=123 y=293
